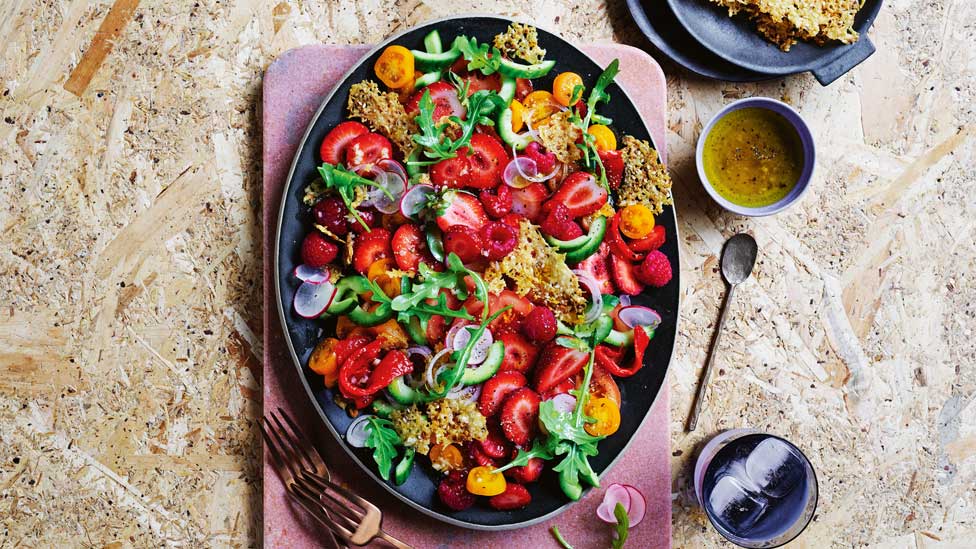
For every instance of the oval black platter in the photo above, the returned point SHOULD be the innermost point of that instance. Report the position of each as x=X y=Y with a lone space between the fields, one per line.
x=639 y=392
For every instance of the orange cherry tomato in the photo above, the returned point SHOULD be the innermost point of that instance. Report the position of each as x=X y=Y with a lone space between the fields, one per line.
x=605 y=139
x=518 y=111
x=563 y=86
x=541 y=104
x=379 y=272
x=394 y=67
x=607 y=416
x=483 y=482
x=446 y=457
x=603 y=385
x=636 y=221
x=324 y=362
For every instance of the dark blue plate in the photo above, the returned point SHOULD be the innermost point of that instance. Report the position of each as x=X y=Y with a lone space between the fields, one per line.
x=639 y=392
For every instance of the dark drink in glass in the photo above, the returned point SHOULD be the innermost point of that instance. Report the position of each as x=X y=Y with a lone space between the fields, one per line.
x=757 y=489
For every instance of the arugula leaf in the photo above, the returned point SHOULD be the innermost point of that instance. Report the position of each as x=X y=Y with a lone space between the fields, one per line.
x=437 y=144
x=598 y=94
x=559 y=537
x=383 y=439
x=477 y=55
x=622 y=527
x=345 y=183
x=453 y=375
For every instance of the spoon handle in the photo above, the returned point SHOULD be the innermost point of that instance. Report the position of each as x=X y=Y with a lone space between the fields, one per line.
x=703 y=384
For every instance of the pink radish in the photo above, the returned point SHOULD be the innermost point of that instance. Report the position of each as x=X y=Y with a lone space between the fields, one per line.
x=311 y=300
x=413 y=201
x=638 y=505
x=616 y=493
x=637 y=315
x=311 y=274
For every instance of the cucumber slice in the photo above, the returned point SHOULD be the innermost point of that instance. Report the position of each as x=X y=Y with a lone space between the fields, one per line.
x=432 y=42
x=568 y=245
x=382 y=408
x=488 y=368
x=416 y=331
x=619 y=339
x=595 y=237
x=427 y=79
x=518 y=70
x=604 y=325
x=427 y=62
x=403 y=393
x=405 y=466
x=507 y=91
x=519 y=141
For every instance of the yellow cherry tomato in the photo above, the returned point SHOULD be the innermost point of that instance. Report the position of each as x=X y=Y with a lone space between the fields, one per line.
x=607 y=415
x=394 y=67
x=518 y=110
x=446 y=457
x=379 y=272
x=636 y=221
x=605 y=139
x=541 y=104
x=563 y=86
x=324 y=361
x=483 y=482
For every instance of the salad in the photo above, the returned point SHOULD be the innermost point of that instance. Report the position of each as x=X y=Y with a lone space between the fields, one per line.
x=478 y=230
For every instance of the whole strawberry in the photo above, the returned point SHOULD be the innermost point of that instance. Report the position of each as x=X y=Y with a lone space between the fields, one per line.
x=540 y=324
x=317 y=251
x=655 y=270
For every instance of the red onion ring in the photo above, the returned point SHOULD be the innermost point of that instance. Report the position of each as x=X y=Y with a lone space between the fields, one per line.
x=596 y=298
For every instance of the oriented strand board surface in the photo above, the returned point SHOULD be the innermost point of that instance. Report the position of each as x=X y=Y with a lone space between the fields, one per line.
x=130 y=273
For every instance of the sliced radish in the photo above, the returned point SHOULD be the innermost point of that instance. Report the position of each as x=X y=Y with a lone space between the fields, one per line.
x=637 y=315
x=311 y=274
x=311 y=300
x=624 y=300
x=386 y=196
x=452 y=332
x=357 y=433
x=522 y=171
x=616 y=493
x=564 y=403
x=596 y=298
x=393 y=167
x=638 y=505
x=415 y=200
x=479 y=352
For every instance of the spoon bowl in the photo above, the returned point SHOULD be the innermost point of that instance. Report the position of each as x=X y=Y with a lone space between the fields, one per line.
x=739 y=258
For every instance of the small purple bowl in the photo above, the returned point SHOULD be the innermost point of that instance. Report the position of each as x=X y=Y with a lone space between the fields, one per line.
x=809 y=156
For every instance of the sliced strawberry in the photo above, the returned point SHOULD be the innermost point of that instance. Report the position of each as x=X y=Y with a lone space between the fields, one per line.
x=335 y=142
x=520 y=355
x=487 y=159
x=497 y=203
x=409 y=247
x=523 y=87
x=527 y=202
x=367 y=149
x=562 y=387
x=463 y=209
x=494 y=391
x=515 y=496
x=596 y=267
x=613 y=163
x=624 y=276
x=581 y=193
x=520 y=416
x=317 y=251
x=463 y=241
x=557 y=364
x=369 y=247
x=452 y=172
x=453 y=493
x=445 y=98
x=530 y=472
x=495 y=445
x=479 y=456
x=650 y=242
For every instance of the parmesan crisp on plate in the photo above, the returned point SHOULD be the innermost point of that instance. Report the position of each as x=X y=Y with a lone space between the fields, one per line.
x=784 y=22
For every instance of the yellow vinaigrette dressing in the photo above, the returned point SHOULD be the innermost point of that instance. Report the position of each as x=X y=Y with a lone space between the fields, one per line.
x=753 y=157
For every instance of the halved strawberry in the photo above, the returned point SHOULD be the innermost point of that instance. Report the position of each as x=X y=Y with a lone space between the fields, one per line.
x=625 y=276
x=445 y=98
x=487 y=159
x=520 y=415
x=564 y=386
x=515 y=496
x=650 y=242
x=369 y=247
x=520 y=355
x=581 y=193
x=368 y=148
x=495 y=445
x=596 y=267
x=527 y=202
x=462 y=209
x=557 y=364
x=478 y=455
x=451 y=172
x=613 y=163
x=409 y=247
x=530 y=472
x=335 y=142
x=494 y=391
x=463 y=241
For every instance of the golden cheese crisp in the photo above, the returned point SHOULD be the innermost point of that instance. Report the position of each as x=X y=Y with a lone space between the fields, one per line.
x=521 y=41
x=383 y=113
x=558 y=135
x=446 y=421
x=646 y=181
x=784 y=22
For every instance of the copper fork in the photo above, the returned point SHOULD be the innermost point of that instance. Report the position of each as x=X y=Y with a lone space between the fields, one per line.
x=350 y=517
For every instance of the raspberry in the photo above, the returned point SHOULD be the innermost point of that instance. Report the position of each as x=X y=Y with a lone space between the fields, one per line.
x=558 y=224
x=544 y=161
x=317 y=251
x=655 y=270
x=499 y=239
x=540 y=324
x=499 y=203
x=453 y=493
x=331 y=213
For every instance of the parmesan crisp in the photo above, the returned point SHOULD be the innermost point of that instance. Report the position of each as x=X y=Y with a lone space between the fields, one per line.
x=383 y=113
x=646 y=180
x=558 y=135
x=784 y=22
x=521 y=41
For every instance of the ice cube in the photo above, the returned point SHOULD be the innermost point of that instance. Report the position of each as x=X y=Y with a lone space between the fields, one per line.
x=775 y=468
x=735 y=507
